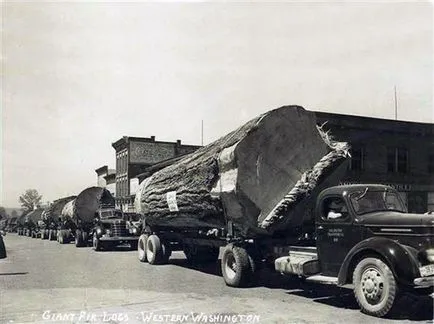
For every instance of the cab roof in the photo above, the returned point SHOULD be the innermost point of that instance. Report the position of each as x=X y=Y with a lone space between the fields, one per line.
x=339 y=190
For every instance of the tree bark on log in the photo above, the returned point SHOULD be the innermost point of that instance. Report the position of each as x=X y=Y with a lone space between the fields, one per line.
x=52 y=214
x=255 y=176
x=88 y=202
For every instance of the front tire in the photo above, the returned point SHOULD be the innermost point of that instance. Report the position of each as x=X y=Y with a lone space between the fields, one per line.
x=141 y=247
x=237 y=265
x=375 y=287
x=96 y=243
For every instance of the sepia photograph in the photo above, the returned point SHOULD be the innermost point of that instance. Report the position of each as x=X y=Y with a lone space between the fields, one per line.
x=217 y=162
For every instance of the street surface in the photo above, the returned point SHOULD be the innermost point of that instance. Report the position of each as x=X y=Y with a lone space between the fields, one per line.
x=45 y=282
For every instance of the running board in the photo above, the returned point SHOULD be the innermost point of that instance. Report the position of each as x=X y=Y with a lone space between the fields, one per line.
x=323 y=279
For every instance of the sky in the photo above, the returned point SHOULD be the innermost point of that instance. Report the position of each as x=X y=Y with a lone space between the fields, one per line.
x=77 y=76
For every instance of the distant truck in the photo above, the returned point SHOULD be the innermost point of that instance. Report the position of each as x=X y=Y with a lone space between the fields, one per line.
x=265 y=194
x=77 y=219
x=32 y=223
x=51 y=218
x=112 y=228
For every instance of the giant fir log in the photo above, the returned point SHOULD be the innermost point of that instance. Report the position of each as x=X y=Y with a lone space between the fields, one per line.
x=53 y=212
x=82 y=209
x=256 y=176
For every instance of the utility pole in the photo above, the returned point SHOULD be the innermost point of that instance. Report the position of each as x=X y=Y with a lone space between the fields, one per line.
x=396 y=105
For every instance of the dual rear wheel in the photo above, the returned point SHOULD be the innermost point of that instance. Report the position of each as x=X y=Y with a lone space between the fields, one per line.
x=153 y=250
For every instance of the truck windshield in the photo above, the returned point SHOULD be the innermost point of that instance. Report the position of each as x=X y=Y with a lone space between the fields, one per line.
x=367 y=201
x=111 y=214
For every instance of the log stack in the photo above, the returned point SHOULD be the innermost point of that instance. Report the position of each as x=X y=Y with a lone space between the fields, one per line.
x=256 y=176
x=88 y=202
x=53 y=212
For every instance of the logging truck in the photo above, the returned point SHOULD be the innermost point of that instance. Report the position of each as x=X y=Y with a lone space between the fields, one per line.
x=77 y=219
x=51 y=218
x=113 y=228
x=266 y=194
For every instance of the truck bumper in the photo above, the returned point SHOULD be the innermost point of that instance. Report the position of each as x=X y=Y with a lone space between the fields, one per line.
x=424 y=282
x=119 y=238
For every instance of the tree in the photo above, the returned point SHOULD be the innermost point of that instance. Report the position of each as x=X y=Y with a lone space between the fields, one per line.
x=14 y=214
x=30 y=199
x=3 y=213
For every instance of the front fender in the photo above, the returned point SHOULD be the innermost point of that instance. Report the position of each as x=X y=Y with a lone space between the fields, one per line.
x=401 y=259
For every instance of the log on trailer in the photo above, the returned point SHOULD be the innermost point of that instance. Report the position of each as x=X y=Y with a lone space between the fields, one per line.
x=88 y=202
x=54 y=212
x=67 y=212
x=32 y=218
x=256 y=176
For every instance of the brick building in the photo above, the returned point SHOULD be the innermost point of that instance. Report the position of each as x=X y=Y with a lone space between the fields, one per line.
x=133 y=156
x=106 y=178
x=397 y=153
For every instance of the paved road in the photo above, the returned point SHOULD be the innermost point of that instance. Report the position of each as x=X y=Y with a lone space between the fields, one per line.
x=45 y=282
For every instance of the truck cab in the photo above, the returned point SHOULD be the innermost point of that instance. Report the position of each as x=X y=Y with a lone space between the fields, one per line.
x=111 y=229
x=365 y=237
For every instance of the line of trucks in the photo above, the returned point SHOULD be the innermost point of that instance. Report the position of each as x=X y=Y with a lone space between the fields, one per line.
x=266 y=194
x=89 y=218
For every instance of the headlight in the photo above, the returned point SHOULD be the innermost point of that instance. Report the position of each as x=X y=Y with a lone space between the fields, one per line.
x=99 y=231
x=108 y=232
x=430 y=255
x=134 y=230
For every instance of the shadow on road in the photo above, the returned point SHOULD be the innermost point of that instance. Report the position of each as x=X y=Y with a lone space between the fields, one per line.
x=13 y=273
x=209 y=268
x=408 y=307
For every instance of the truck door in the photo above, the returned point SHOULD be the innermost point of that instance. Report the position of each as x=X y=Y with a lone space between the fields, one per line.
x=336 y=233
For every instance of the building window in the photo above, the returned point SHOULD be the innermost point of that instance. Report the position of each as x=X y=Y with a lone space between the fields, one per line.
x=357 y=162
x=397 y=160
x=431 y=163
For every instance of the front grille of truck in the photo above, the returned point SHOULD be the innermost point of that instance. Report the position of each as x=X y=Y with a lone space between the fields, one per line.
x=119 y=229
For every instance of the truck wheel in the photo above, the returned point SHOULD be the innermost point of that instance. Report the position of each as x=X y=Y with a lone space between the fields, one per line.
x=154 y=250
x=167 y=252
x=375 y=287
x=96 y=243
x=60 y=237
x=79 y=238
x=237 y=266
x=141 y=247
x=2 y=248
x=85 y=237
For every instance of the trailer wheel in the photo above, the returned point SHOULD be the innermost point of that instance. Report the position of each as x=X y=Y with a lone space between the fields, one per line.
x=85 y=237
x=141 y=247
x=375 y=287
x=2 y=248
x=79 y=238
x=96 y=243
x=154 y=250
x=61 y=237
x=167 y=251
x=237 y=266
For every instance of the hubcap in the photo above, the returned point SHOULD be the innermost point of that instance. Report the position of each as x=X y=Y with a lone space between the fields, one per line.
x=372 y=285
